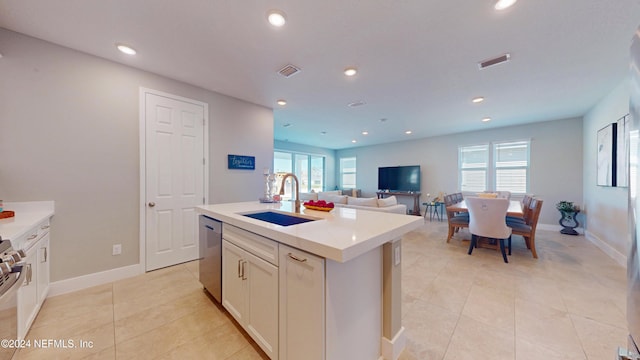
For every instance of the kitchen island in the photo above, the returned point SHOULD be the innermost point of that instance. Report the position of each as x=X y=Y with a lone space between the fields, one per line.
x=323 y=289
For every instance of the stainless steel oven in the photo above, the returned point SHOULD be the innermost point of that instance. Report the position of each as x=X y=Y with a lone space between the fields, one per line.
x=12 y=275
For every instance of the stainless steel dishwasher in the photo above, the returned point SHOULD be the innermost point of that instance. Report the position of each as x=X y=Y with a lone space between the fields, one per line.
x=210 y=259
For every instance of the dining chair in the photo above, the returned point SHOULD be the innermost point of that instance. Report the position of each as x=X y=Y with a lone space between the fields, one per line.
x=504 y=194
x=455 y=220
x=526 y=201
x=528 y=229
x=487 y=218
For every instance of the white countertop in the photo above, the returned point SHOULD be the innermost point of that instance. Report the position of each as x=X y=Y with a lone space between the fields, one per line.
x=27 y=215
x=340 y=235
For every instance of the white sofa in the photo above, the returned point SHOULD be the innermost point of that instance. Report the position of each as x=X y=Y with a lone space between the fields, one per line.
x=389 y=204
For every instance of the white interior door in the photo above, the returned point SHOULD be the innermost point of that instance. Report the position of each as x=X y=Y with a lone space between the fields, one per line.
x=174 y=178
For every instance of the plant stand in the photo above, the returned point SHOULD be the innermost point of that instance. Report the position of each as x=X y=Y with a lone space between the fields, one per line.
x=569 y=222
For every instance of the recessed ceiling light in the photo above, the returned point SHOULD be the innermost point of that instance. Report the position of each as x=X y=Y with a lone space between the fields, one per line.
x=126 y=49
x=486 y=119
x=350 y=71
x=365 y=133
x=408 y=132
x=276 y=18
x=503 y=4
x=282 y=102
x=354 y=141
x=477 y=99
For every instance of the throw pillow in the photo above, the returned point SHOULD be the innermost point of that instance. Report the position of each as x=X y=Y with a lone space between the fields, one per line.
x=308 y=196
x=326 y=194
x=373 y=202
x=336 y=199
x=390 y=201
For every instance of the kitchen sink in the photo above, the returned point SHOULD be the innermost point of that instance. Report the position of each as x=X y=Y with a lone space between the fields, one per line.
x=279 y=218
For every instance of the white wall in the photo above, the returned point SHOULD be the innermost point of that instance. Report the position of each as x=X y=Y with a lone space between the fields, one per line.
x=606 y=207
x=69 y=132
x=329 y=156
x=556 y=161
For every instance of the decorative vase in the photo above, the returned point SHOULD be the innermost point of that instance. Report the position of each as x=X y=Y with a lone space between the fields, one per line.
x=569 y=222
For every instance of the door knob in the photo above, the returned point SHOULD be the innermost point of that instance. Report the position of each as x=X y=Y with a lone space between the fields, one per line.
x=152 y=204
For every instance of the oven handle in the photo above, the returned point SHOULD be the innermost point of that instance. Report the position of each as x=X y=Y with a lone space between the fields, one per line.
x=14 y=288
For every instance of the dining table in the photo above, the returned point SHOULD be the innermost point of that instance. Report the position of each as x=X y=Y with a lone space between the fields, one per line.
x=514 y=210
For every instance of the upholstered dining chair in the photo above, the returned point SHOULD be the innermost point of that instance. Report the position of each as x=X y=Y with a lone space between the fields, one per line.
x=504 y=194
x=526 y=201
x=455 y=220
x=487 y=218
x=528 y=229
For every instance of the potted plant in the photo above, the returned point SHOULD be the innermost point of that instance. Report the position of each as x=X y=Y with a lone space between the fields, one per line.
x=568 y=220
x=565 y=206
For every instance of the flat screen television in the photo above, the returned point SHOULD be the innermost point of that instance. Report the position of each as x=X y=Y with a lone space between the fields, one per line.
x=399 y=178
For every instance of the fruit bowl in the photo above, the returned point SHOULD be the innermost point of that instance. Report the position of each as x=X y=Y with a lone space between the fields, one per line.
x=319 y=208
x=319 y=205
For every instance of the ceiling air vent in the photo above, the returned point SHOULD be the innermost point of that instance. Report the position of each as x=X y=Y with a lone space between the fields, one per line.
x=356 y=103
x=495 y=61
x=289 y=70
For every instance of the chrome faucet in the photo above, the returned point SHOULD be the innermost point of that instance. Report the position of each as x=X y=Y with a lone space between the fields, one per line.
x=297 y=189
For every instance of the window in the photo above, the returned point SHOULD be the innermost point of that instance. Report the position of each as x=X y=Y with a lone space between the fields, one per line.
x=348 y=173
x=511 y=166
x=317 y=173
x=473 y=162
x=302 y=171
x=309 y=169
x=506 y=168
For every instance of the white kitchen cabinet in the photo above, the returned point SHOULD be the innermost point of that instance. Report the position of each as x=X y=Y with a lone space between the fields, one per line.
x=250 y=291
x=28 y=294
x=42 y=281
x=36 y=286
x=233 y=288
x=302 y=307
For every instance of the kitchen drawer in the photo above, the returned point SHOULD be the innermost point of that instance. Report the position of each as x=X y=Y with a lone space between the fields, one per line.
x=43 y=227
x=259 y=246
x=28 y=240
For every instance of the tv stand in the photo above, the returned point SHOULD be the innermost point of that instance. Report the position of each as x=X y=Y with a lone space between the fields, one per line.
x=414 y=194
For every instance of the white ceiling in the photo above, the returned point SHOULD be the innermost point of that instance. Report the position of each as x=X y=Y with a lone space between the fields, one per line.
x=417 y=59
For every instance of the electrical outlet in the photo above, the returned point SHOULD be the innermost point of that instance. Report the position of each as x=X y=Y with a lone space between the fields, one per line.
x=117 y=249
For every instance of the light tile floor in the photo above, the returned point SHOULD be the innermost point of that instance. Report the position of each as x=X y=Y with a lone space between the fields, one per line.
x=568 y=304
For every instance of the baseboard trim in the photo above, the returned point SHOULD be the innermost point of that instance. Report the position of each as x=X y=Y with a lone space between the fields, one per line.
x=607 y=249
x=86 y=281
x=552 y=227
x=391 y=349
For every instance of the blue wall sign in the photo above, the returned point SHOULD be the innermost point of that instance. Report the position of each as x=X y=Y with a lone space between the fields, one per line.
x=242 y=162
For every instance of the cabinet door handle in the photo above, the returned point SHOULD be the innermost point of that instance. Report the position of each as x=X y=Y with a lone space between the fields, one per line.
x=239 y=268
x=29 y=274
x=243 y=277
x=296 y=258
x=32 y=237
x=44 y=260
x=44 y=227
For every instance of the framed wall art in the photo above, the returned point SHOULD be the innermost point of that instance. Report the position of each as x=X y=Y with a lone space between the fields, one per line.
x=241 y=162
x=606 y=147
x=622 y=151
